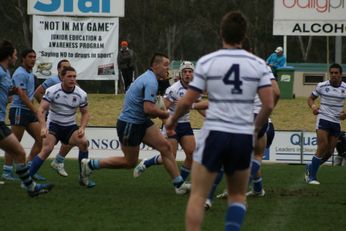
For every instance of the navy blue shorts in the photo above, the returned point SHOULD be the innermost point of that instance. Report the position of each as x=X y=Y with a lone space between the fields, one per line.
x=21 y=117
x=62 y=133
x=270 y=134
x=4 y=131
x=182 y=129
x=332 y=128
x=132 y=134
x=216 y=149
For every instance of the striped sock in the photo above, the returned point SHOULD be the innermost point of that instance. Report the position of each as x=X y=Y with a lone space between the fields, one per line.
x=178 y=181
x=184 y=172
x=235 y=216
x=255 y=167
x=7 y=169
x=257 y=184
x=94 y=164
x=22 y=171
x=59 y=158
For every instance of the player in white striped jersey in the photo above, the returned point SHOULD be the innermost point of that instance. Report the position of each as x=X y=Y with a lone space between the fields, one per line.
x=232 y=77
x=62 y=101
x=332 y=95
x=183 y=132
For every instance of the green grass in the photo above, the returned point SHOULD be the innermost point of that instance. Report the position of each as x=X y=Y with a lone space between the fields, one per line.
x=120 y=202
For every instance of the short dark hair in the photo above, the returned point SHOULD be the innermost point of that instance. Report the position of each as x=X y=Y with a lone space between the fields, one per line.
x=27 y=51
x=66 y=69
x=157 y=58
x=62 y=61
x=336 y=65
x=233 y=27
x=6 y=50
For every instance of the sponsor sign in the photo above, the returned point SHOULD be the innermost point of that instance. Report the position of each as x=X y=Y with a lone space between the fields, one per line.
x=309 y=17
x=294 y=147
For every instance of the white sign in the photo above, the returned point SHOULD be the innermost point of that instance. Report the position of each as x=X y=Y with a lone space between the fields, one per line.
x=90 y=44
x=105 y=8
x=295 y=147
x=309 y=17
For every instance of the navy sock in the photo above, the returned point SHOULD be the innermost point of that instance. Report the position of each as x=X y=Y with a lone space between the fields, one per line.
x=255 y=167
x=235 y=216
x=35 y=165
x=313 y=167
x=257 y=184
x=215 y=184
x=152 y=161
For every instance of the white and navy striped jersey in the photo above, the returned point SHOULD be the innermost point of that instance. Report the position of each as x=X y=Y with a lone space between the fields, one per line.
x=231 y=77
x=331 y=100
x=173 y=93
x=258 y=103
x=64 y=105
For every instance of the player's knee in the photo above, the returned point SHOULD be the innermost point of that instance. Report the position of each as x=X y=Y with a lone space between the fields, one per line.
x=83 y=145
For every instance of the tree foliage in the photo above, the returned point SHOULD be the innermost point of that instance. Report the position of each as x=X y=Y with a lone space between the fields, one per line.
x=184 y=29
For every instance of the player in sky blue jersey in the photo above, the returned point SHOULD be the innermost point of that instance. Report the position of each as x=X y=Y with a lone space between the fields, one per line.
x=232 y=77
x=8 y=141
x=22 y=110
x=134 y=126
x=58 y=162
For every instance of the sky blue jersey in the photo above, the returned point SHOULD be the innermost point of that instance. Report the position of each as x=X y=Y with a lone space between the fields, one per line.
x=5 y=86
x=26 y=81
x=144 y=88
x=50 y=82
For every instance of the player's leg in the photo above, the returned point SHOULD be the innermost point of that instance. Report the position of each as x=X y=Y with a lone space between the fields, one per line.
x=237 y=184
x=9 y=143
x=255 y=170
x=188 y=144
x=34 y=129
x=202 y=179
x=58 y=162
x=48 y=145
x=322 y=147
x=154 y=138
x=7 y=170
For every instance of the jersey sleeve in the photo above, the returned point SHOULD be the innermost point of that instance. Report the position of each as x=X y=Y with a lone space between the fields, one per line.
x=20 y=80
x=47 y=83
x=150 y=91
x=316 y=91
x=169 y=95
x=48 y=95
x=199 y=79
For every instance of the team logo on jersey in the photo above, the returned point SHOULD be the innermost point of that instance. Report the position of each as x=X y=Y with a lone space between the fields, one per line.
x=342 y=91
x=74 y=99
x=57 y=96
x=327 y=89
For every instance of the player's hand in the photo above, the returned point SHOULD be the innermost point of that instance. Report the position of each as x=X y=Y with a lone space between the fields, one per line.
x=342 y=115
x=164 y=115
x=44 y=132
x=170 y=125
x=80 y=132
x=315 y=109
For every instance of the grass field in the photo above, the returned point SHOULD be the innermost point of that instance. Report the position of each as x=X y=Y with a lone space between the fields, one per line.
x=288 y=115
x=120 y=202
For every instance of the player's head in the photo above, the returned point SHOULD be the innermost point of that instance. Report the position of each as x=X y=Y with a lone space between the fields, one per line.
x=68 y=77
x=335 y=74
x=160 y=65
x=186 y=71
x=8 y=53
x=62 y=64
x=28 y=57
x=233 y=28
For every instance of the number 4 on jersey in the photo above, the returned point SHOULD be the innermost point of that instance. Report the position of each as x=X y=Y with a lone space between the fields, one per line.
x=227 y=79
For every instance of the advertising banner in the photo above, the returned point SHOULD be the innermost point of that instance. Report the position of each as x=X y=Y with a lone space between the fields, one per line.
x=89 y=43
x=291 y=147
x=86 y=8
x=309 y=17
